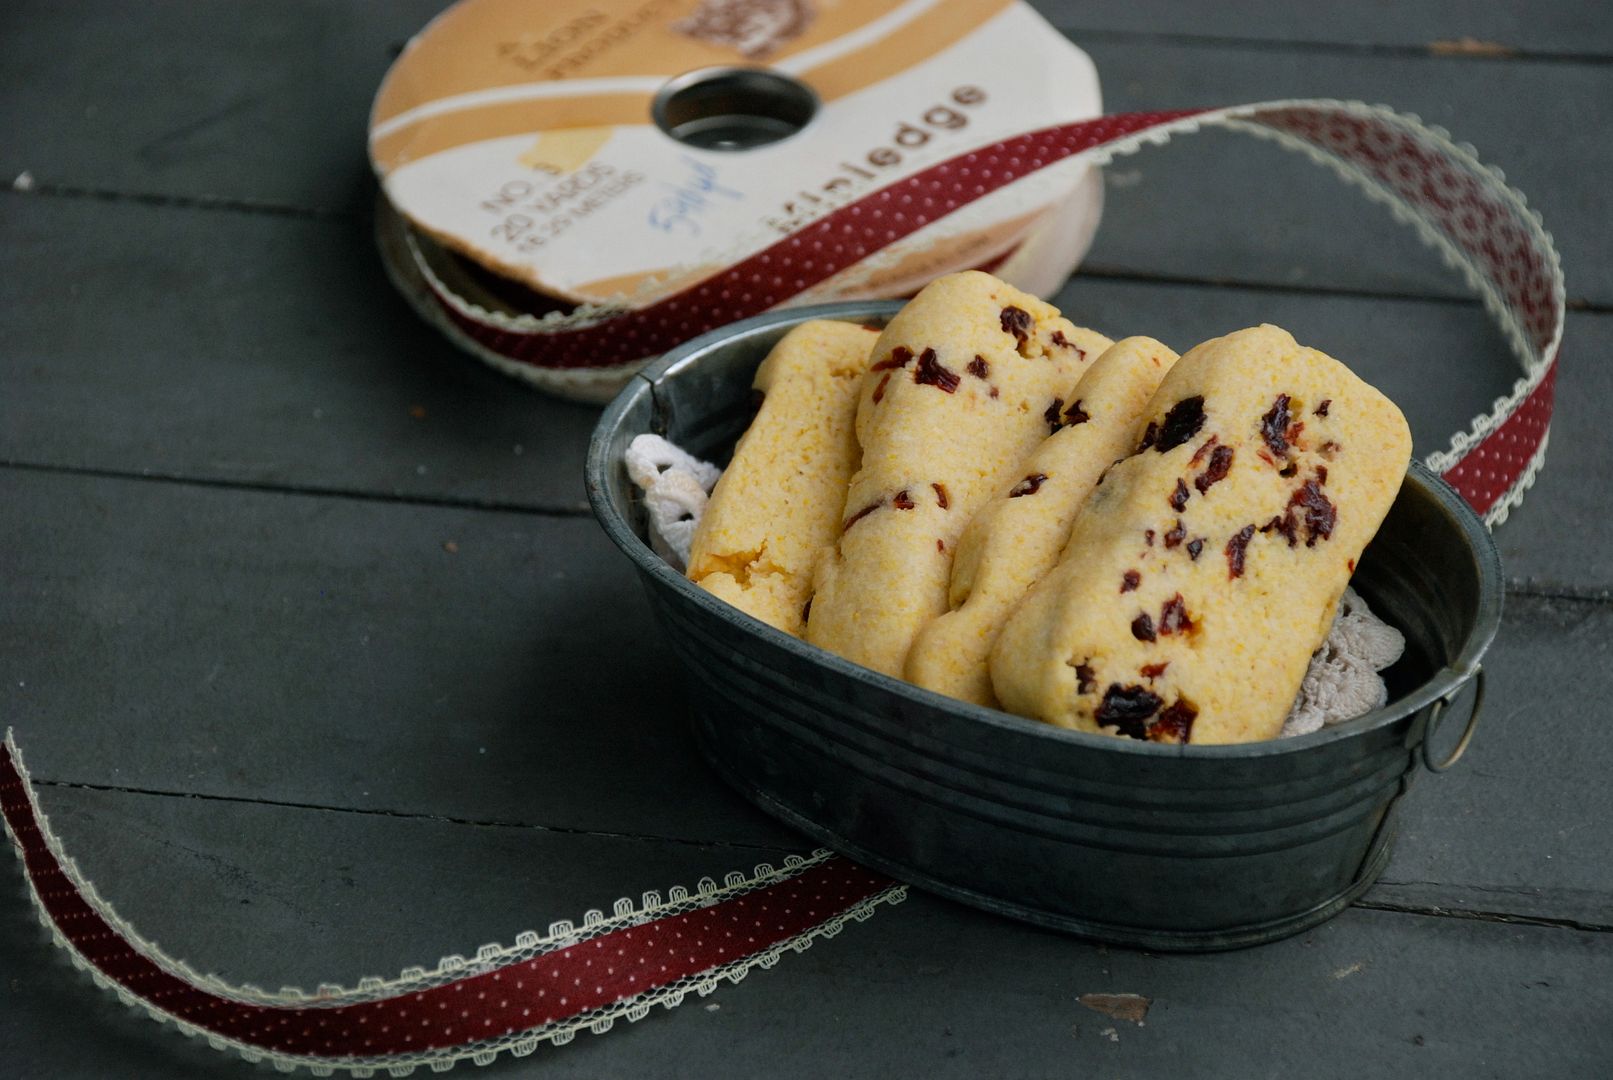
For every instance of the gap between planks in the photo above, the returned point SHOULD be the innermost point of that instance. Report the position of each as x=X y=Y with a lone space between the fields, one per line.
x=262 y=487
x=223 y=204
x=1368 y=902
x=1458 y=49
x=1528 y=587
x=408 y=815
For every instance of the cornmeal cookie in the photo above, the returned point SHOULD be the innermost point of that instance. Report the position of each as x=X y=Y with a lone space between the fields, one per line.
x=1016 y=538
x=777 y=506
x=1204 y=569
x=965 y=382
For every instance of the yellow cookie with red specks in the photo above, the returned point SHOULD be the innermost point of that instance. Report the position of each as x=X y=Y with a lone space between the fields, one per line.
x=1016 y=538
x=1204 y=569
x=966 y=380
x=777 y=507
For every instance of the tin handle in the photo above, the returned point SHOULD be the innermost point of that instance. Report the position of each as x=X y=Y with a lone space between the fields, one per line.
x=1467 y=733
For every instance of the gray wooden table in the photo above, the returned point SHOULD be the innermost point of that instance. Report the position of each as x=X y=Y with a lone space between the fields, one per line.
x=324 y=670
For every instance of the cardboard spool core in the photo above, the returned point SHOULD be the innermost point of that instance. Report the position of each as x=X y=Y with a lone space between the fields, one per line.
x=733 y=108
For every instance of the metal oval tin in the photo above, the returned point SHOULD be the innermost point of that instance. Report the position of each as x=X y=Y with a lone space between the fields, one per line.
x=1136 y=843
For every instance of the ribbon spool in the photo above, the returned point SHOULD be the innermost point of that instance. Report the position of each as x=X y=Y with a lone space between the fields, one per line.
x=1464 y=210
x=554 y=167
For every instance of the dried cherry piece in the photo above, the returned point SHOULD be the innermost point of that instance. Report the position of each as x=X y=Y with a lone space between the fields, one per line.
x=1289 y=470
x=1194 y=546
x=1184 y=421
x=1177 y=534
x=859 y=515
x=1205 y=448
x=1320 y=513
x=1075 y=414
x=1063 y=342
x=1178 y=498
x=1173 y=619
x=1018 y=322
x=931 y=372
x=1328 y=449
x=1321 y=409
x=1216 y=471
x=1274 y=425
x=941 y=499
x=1283 y=525
x=978 y=367
x=879 y=391
x=1235 y=549
x=1148 y=535
x=941 y=546
x=1154 y=671
x=1142 y=627
x=1126 y=708
x=900 y=357
x=1321 y=474
x=994 y=393
x=1175 y=724
x=1085 y=682
x=1052 y=415
x=1130 y=580
x=902 y=500
x=1028 y=486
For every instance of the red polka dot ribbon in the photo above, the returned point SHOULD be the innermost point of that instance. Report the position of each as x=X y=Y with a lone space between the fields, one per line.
x=506 y=998
x=546 y=988
x=1459 y=206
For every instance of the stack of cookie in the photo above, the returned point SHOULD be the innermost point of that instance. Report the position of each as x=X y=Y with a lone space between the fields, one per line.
x=996 y=504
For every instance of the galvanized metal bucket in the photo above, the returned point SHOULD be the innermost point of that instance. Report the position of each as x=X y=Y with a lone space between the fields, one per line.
x=1159 y=846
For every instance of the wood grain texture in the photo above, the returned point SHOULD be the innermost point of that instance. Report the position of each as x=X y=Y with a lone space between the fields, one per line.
x=328 y=652
x=378 y=750
x=926 y=988
x=288 y=361
x=209 y=110
x=1568 y=30
x=1221 y=205
x=299 y=368
x=266 y=104
x=1520 y=825
x=332 y=652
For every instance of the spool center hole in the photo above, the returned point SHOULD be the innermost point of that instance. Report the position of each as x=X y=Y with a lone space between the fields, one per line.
x=733 y=108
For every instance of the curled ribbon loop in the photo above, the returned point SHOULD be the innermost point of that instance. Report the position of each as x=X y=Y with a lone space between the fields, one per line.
x=1465 y=210
x=541 y=989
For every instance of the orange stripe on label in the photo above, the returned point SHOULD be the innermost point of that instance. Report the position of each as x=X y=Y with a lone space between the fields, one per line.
x=485 y=44
x=435 y=134
x=941 y=26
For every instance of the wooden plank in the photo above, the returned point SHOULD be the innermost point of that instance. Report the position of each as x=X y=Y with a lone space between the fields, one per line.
x=1523 y=824
x=265 y=107
x=1225 y=206
x=1506 y=25
x=254 y=350
x=257 y=103
x=300 y=369
x=926 y=988
x=333 y=652
x=330 y=652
